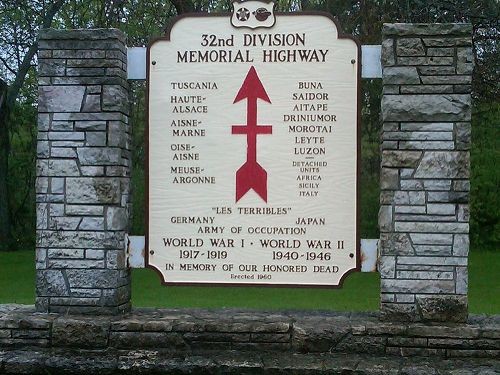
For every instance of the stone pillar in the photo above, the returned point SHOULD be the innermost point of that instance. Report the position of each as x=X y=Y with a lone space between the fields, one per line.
x=424 y=213
x=83 y=172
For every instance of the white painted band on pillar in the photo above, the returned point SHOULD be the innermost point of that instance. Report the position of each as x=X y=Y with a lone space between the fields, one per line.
x=136 y=63
x=371 y=66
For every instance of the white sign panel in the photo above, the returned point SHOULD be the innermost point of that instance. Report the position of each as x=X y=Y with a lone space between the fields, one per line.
x=253 y=150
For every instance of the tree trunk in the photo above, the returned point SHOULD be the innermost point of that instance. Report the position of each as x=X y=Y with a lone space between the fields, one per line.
x=8 y=97
x=304 y=5
x=5 y=223
x=183 y=6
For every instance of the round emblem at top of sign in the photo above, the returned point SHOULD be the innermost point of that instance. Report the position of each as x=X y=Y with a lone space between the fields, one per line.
x=262 y=14
x=253 y=13
x=243 y=14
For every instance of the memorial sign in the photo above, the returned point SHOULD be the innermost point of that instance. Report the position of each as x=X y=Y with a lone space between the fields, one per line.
x=253 y=149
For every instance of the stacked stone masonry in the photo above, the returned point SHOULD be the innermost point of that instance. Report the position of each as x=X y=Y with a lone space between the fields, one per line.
x=425 y=142
x=188 y=330
x=150 y=338
x=166 y=362
x=83 y=172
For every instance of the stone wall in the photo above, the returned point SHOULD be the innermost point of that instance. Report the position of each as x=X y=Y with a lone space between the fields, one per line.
x=83 y=172
x=151 y=340
x=424 y=213
x=191 y=330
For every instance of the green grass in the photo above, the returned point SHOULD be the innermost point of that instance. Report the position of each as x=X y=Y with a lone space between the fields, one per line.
x=360 y=291
x=17 y=277
x=484 y=282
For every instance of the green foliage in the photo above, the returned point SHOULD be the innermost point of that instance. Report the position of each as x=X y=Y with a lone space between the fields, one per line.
x=138 y=122
x=371 y=90
x=22 y=164
x=142 y=20
x=364 y=19
x=369 y=202
x=485 y=179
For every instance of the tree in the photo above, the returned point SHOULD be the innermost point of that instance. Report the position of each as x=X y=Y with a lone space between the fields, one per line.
x=5 y=233
x=142 y=20
x=17 y=59
x=183 y=6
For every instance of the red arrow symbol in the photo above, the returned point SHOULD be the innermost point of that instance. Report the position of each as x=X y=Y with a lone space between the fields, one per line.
x=251 y=175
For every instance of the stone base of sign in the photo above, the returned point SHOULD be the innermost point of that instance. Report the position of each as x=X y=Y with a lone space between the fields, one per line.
x=83 y=172
x=424 y=213
x=62 y=361
x=229 y=340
